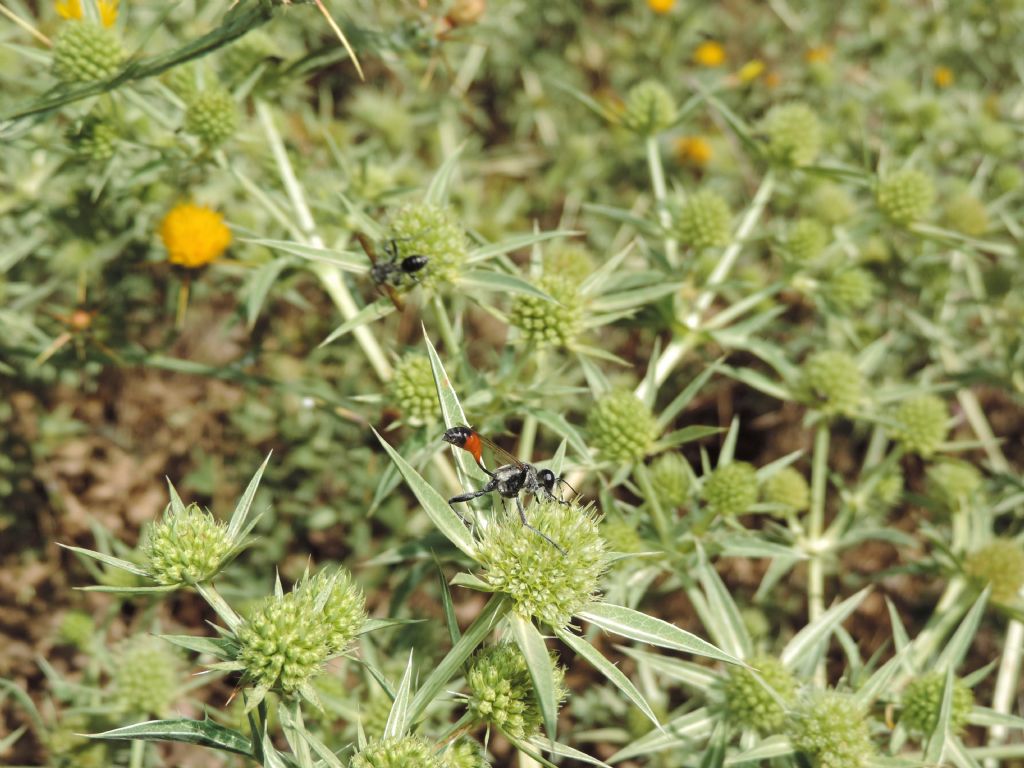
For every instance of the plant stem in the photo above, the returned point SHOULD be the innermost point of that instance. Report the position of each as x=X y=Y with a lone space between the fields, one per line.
x=661 y=195
x=445 y=325
x=330 y=276
x=653 y=505
x=815 y=543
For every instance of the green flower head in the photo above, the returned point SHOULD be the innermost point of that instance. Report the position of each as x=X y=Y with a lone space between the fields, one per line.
x=570 y=261
x=670 y=477
x=731 y=489
x=805 y=240
x=1001 y=564
x=905 y=196
x=952 y=481
x=793 y=134
x=832 y=383
x=212 y=116
x=831 y=728
x=146 y=676
x=746 y=701
x=413 y=391
x=851 y=290
x=788 y=487
x=921 y=424
x=704 y=220
x=622 y=428
x=922 y=702
x=84 y=52
x=501 y=690
x=541 y=581
x=432 y=231
x=549 y=323
x=76 y=628
x=649 y=108
x=966 y=214
x=186 y=547
x=401 y=752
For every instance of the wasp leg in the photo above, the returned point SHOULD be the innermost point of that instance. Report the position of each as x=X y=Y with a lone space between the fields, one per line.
x=522 y=517
x=466 y=497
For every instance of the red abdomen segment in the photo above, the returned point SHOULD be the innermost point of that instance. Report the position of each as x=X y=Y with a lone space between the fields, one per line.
x=468 y=440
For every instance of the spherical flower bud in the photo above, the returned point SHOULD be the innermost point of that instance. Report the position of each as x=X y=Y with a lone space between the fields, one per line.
x=649 y=108
x=212 y=116
x=921 y=424
x=922 y=702
x=541 y=581
x=1008 y=178
x=704 y=221
x=793 y=133
x=832 y=729
x=84 y=52
x=622 y=427
x=146 y=675
x=413 y=390
x=340 y=604
x=242 y=57
x=465 y=752
x=875 y=251
x=887 y=491
x=710 y=54
x=731 y=489
x=432 y=231
x=77 y=629
x=501 y=691
x=832 y=383
x=851 y=290
x=805 y=240
x=905 y=196
x=187 y=547
x=621 y=535
x=952 y=481
x=94 y=139
x=747 y=703
x=572 y=262
x=400 y=752
x=1001 y=564
x=670 y=477
x=966 y=214
x=549 y=323
x=194 y=235
x=788 y=487
x=832 y=204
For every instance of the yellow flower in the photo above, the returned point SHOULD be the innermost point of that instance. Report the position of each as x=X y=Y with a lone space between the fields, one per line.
x=943 y=77
x=750 y=71
x=710 y=53
x=693 y=150
x=818 y=53
x=661 y=6
x=72 y=9
x=194 y=235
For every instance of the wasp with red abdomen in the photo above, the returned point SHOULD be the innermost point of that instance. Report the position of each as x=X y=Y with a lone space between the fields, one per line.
x=509 y=480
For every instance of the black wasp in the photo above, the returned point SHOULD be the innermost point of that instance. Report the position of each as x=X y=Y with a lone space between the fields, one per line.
x=509 y=480
x=392 y=272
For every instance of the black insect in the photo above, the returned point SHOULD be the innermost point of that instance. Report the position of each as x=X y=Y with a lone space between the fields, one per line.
x=511 y=479
x=392 y=272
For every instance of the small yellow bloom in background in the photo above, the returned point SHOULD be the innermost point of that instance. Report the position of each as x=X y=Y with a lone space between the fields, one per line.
x=693 y=150
x=661 y=6
x=750 y=71
x=818 y=53
x=194 y=235
x=72 y=10
x=943 y=76
x=710 y=53
x=772 y=79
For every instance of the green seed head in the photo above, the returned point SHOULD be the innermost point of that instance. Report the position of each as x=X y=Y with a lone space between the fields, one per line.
x=340 y=604
x=851 y=290
x=401 y=752
x=622 y=427
x=794 y=135
x=921 y=424
x=146 y=676
x=1008 y=178
x=621 y=535
x=748 y=704
x=413 y=390
x=501 y=691
x=832 y=204
x=832 y=383
x=788 y=488
x=186 y=548
x=84 y=52
x=431 y=231
x=805 y=240
x=922 y=702
x=547 y=323
x=77 y=629
x=465 y=752
x=1001 y=564
x=830 y=727
x=571 y=261
x=704 y=221
x=731 y=489
x=953 y=481
x=650 y=108
x=541 y=581
x=887 y=491
x=95 y=138
x=966 y=214
x=670 y=476
x=374 y=716
x=212 y=116
x=905 y=196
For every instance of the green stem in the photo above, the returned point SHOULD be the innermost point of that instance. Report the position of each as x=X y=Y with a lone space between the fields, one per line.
x=661 y=196
x=137 y=757
x=815 y=527
x=445 y=324
x=219 y=605
x=653 y=504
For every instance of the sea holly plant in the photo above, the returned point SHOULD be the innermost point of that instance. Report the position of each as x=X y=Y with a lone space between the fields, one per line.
x=534 y=588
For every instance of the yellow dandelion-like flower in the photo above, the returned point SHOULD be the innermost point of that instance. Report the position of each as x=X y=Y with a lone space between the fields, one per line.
x=709 y=54
x=194 y=235
x=943 y=76
x=661 y=6
x=750 y=71
x=694 y=150
x=72 y=10
x=818 y=53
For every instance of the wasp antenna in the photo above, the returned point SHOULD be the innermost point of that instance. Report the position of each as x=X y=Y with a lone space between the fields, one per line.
x=563 y=482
